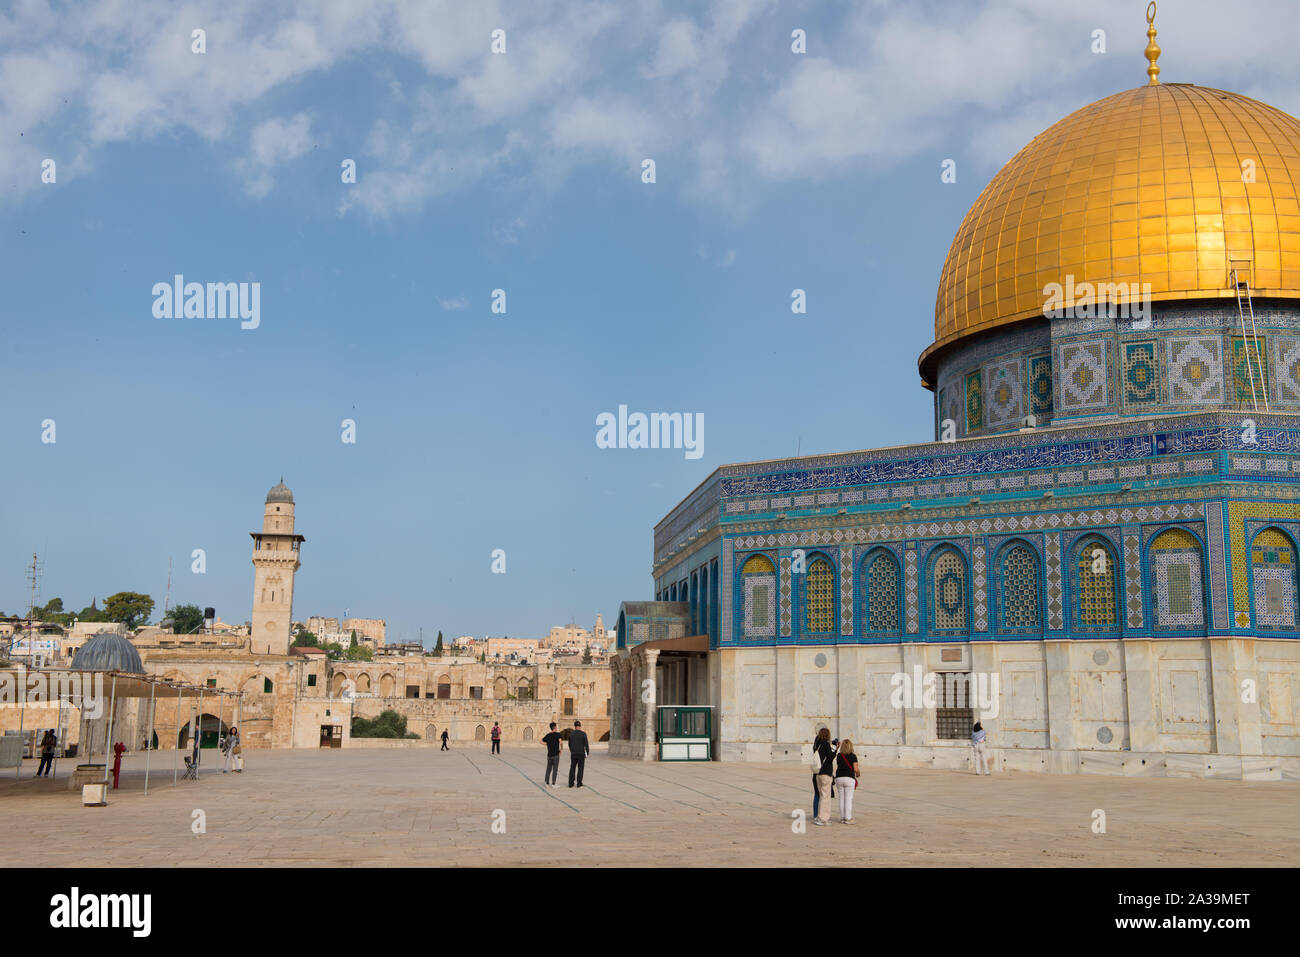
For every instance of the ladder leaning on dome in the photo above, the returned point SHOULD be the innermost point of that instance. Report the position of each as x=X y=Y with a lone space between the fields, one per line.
x=1241 y=285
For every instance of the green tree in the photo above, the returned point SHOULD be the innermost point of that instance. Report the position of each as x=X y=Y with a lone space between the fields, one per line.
x=586 y=655
x=185 y=619
x=353 y=644
x=91 y=613
x=131 y=608
x=305 y=638
x=437 y=649
x=334 y=650
x=389 y=724
x=361 y=653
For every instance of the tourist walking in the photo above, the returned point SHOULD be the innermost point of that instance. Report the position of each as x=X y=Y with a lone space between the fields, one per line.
x=977 y=737
x=48 y=743
x=824 y=748
x=552 y=742
x=496 y=738
x=234 y=753
x=579 y=748
x=846 y=779
x=444 y=741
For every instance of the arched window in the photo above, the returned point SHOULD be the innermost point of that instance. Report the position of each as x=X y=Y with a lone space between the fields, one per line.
x=819 y=598
x=1019 y=576
x=480 y=733
x=525 y=690
x=528 y=734
x=363 y=683
x=758 y=591
x=430 y=732
x=948 y=591
x=500 y=688
x=882 y=604
x=1096 y=597
x=1273 y=580
x=1175 y=563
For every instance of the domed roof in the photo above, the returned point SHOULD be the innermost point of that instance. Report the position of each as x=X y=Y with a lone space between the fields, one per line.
x=280 y=493
x=1164 y=184
x=105 y=652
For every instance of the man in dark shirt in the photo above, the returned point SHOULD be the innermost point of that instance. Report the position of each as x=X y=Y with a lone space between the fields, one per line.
x=552 y=742
x=444 y=741
x=578 y=751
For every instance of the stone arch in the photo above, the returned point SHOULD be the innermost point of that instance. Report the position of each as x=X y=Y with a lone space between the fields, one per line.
x=528 y=734
x=948 y=594
x=1095 y=584
x=430 y=733
x=387 y=684
x=1176 y=581
x=500 y=687
x=363 y=683
x=881 y=592
x=480 y=733
x=1274 y=597
x=336 y=683
x=524 y=692
x=1019 y=588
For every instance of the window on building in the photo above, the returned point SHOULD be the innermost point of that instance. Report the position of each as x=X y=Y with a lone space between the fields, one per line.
x=758 y=584
x=948 y=591
x=1098 y=601
x=444 y=691
x=267 y=687
x=1175 y=575
x=1273 y=580
x=1020 y=589
x=882 y=606
x=212 y=682
x=480 y=733
x=607 y=706
x=568 y=706
x=311 y=681
x=954 y=717
x=819 y=598
x=475 y=691
x=413 y=691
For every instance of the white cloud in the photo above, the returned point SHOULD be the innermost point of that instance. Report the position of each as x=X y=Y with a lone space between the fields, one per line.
x=273 y=142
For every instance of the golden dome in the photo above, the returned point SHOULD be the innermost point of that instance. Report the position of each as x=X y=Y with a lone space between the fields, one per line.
x=1152 y=185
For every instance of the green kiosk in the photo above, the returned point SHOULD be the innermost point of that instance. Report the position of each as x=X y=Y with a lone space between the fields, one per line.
x=685 y=732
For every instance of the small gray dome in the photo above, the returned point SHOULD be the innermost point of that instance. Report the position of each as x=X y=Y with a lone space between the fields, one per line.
x=106 y=652
x=280 y=493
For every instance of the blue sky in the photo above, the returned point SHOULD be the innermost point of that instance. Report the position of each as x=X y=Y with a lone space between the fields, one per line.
x=478 y=171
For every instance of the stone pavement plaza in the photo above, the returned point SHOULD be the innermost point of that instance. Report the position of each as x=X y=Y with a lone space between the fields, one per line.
x=418 y=806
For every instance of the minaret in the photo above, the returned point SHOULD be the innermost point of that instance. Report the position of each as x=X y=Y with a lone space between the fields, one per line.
x=275 y=559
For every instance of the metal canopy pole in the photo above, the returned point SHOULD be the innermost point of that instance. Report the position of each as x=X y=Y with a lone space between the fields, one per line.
x=112 y=707
x=22 y=712
x=180 y=696
x=148 y=741
x=198 y=734
x=221 y=708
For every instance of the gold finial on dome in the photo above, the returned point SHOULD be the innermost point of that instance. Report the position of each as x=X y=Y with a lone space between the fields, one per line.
x=1152 y=51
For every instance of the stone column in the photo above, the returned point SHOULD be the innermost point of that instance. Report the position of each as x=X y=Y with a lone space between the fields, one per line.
x=1060 y=694
x=1236 y=723
x=1140 y=679
x=916 y=727
x=650 y=709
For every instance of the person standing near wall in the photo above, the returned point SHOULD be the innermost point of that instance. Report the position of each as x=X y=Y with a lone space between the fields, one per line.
x=48 y=743
x=552 y=742
x=977 y=742
x=825 y=750
x=496 y=738
x=846 y=779
x=444 y=741
x=579 y=748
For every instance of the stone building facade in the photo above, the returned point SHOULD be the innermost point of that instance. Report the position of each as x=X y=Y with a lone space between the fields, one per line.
x=1109 y=586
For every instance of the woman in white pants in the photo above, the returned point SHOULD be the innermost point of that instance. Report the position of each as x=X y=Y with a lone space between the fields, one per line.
x=846 y=779
x=981 y=755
